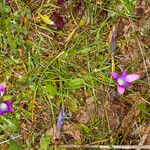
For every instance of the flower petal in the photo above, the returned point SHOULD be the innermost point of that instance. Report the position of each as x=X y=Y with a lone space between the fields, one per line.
x=127 y=84
x=1 y=112
x=114 y=75
x=120 y=89
x=9 y=103
x=2 y=89
x=124 y=73
x=132 y=77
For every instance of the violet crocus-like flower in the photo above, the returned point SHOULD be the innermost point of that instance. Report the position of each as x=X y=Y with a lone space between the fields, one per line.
x=60 y=119
x=2 y=89
x=123 y=81
x=5 y=107
x=59 y=124
x=58 y=21
x=113 y=40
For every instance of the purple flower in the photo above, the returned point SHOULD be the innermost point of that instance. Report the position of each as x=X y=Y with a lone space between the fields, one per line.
x=58 y=126
x=58 y=21
x=5 y=107
x=113 y=40
x=60 y=119
x=123 y=81
x=2 y=89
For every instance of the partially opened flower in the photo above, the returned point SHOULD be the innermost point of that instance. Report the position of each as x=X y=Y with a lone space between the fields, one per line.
x=58 y=126
x=2 y=89
x=123 y=81
x=113 y=39
x=5 y=107
x=60 y=119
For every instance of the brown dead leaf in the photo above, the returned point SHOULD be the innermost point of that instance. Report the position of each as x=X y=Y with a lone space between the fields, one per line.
x=50 y=132
x=145 y=135
x=84 y=114
x=69 y=129
x=140 y=7
x=116 y=112
x=25 y=127
x=79 y=9
x=90 y=104
x=123 y=27
x=23 y=132
x=133 y=113
x=147 y=141
x=72 y=130
x=53 y=133
x=112 y=111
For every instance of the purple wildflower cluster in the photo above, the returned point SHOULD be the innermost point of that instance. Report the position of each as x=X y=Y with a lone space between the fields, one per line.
x=5 y=107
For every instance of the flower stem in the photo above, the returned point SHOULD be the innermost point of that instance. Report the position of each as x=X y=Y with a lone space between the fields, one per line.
x=113 y=63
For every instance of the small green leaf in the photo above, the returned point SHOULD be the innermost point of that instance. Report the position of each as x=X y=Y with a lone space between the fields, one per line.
x=10 y=125
x=84 y=50
x=7 y=9
x=13 y=145
x=84 y=128
x=7 y=97
x=32 y=86
x=43 y=144
x=76 y=83
x=51 y=90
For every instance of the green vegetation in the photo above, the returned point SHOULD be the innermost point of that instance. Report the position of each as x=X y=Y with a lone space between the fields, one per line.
x=45 y=68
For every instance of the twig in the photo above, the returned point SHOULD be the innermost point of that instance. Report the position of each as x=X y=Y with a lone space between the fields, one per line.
x=144 y=62
x=97 y=142
x=69 y=37
x=107 y=146
x=145 y=134
x=45 y=35
x=55 y=145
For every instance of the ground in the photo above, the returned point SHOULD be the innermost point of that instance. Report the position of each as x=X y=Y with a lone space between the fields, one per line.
x=56 y=55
